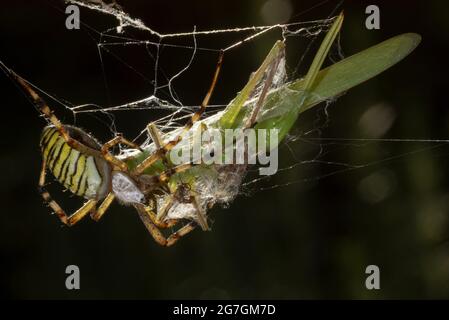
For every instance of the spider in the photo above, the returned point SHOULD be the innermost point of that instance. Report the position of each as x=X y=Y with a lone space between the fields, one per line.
x=88 y=169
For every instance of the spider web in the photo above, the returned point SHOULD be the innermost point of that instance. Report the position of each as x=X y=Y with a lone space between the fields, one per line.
x=164 y=95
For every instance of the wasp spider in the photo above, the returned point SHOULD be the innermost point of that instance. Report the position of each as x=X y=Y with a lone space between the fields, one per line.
x=89 y=170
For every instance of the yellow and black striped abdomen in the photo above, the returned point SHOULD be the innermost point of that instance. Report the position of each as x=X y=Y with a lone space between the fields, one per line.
x=76 y=170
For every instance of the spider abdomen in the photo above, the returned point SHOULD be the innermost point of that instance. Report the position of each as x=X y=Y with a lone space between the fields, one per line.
x=83 y=174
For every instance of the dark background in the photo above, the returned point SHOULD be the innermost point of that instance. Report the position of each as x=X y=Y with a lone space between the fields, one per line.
x=312 y=239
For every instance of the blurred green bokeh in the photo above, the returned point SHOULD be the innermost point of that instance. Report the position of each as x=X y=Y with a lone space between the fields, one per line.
x=311 y=239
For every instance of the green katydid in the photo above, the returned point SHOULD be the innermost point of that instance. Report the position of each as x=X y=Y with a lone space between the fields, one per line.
x=280 y=107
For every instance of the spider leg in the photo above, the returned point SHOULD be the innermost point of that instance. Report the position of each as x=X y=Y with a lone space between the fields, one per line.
x=155 y=135
x=159 y=219
x=195 y=117
x=201 y=215
x=151 y=227
x=67 y=220
x=87 y=207
x=175 y=236
x=157 y=234
x=110 y=158
x=40 y=104
x=158 y=222
x=164 y=177
x=98 y=214
x=43 y=107
x=162 y=212
x=267 y=84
